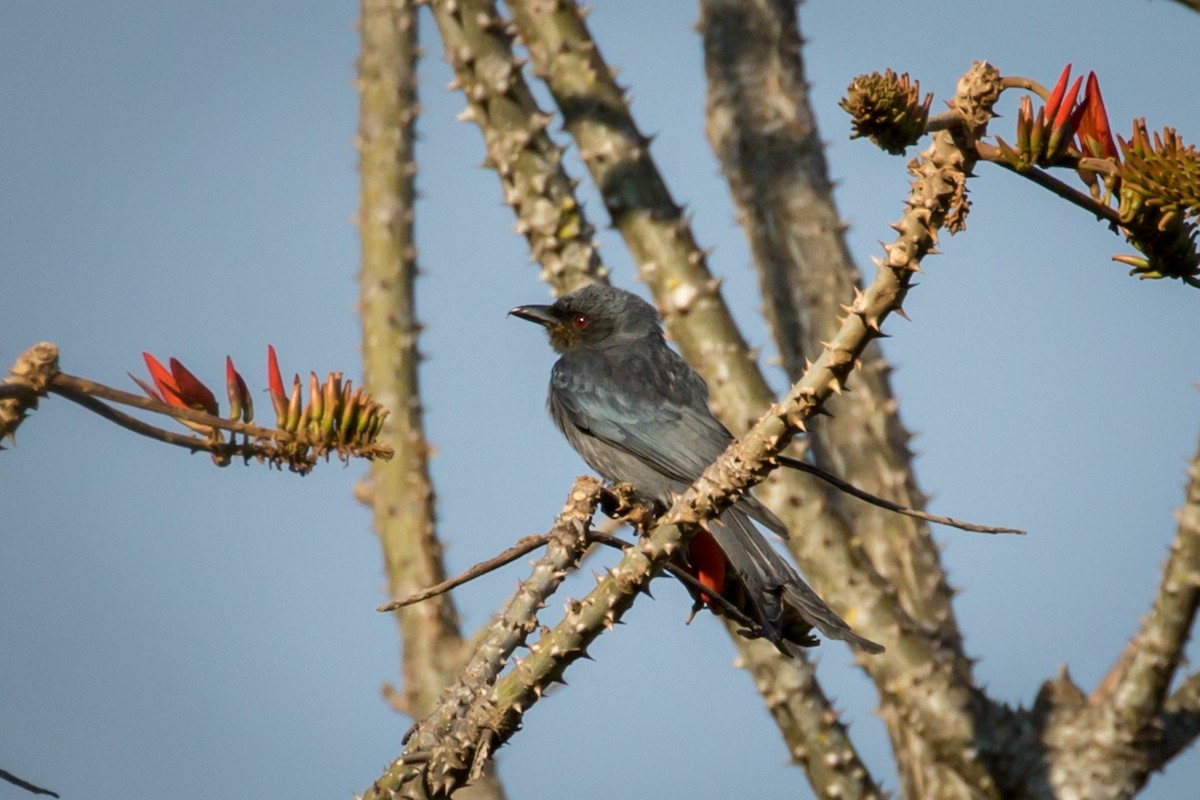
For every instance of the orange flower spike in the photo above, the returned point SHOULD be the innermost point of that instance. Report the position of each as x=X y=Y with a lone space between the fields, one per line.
x=168 y=391
x=316 y=398
x=304 y=428
x=348 y=422
x=247 y=399
x=1037 y=135
x=279 y=398
x=192 y=391
x=333 y=394
x=1095 y=135
x=1062 y=127
x=367 y=410
x=1056 y=96
x=292 y=423
x=333 y=410
x=379 y=416
x=1024 y=126
x=240 y=402
x=231 y=390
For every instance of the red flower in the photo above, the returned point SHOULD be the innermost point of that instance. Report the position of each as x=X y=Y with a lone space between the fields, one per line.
x=279 y=398
x=1062 y=115
x=240 y=402
x=1056 y=96
x=179 y=387
x=1095 y=136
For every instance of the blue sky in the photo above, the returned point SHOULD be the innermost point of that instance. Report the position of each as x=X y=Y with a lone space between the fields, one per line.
x=180 y=178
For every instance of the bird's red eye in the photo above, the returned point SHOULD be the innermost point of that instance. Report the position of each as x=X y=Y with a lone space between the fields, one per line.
x=581 y=321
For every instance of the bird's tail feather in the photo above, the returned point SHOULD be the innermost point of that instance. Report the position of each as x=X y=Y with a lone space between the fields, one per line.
x=773 y=588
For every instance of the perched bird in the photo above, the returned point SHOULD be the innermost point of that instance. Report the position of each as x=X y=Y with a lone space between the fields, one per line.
x=638 y=414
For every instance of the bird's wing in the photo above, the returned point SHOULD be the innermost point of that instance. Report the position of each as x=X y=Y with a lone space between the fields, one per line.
x=643 y=405
x=648 y=404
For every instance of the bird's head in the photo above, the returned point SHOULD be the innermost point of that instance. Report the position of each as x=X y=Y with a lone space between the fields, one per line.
x=593 y=317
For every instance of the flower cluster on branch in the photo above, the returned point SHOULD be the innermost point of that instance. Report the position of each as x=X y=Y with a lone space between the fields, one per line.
x=887 y=109
x=1148 y=188
x=337 y=419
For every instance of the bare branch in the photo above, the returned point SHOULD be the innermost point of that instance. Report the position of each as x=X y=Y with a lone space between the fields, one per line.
x=746 y=462
x=5 y=775
x=1053 y=184
x=524 y=545
x=764 y=132
x=816 y=735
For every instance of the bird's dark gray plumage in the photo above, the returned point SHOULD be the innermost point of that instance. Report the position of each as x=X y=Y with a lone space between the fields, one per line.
x=638 y=414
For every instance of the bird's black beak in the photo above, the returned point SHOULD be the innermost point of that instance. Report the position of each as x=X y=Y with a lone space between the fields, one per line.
x=542 y=315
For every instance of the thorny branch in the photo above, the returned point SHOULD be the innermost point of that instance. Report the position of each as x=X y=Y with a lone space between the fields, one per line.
x=478 y=46
x=747 y=461
x=1107 y=744
x=658 y=233
x=451 y=734
x=597 y=116
x=765 y=135
x=400 y=492
x=1128 y=726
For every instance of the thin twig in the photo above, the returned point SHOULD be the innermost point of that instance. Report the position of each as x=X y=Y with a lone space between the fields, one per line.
x=65 y=384
x=193 y=443
x=854 y=491
x=5 y=775
x=1046 y=181
x=1017 y=82
x=523 y=546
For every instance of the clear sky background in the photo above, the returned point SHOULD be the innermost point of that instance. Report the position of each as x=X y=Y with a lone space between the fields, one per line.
x=180 y=178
